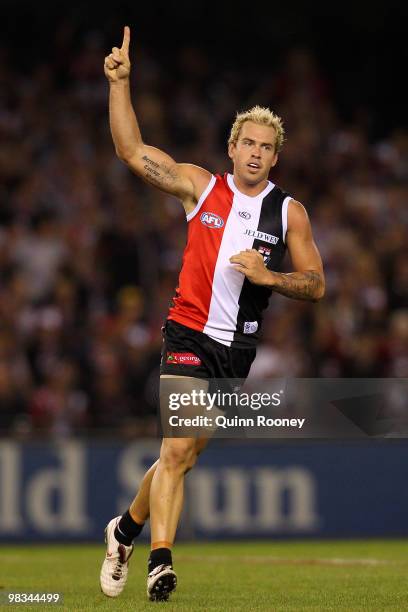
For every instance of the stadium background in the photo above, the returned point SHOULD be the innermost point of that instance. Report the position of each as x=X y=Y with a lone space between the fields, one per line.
x=89 y=256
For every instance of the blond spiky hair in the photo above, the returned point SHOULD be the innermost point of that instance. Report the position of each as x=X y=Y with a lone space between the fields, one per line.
x=262 y=116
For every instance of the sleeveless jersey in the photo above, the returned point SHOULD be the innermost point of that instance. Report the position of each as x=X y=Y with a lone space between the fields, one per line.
x=212 y=297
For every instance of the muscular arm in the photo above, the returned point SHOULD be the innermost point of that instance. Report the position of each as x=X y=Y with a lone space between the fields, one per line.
x=184 y=181
x=306 y=285
x=307 y=282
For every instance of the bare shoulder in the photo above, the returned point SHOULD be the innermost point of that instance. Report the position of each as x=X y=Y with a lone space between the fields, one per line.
x=298 y=219
x=297 y=210
x=303 y=251
x=200 y=177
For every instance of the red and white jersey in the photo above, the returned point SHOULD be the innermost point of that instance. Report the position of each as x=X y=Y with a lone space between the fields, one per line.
x=213 y=297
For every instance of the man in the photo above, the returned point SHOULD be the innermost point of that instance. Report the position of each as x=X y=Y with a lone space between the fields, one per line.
x=239 y=227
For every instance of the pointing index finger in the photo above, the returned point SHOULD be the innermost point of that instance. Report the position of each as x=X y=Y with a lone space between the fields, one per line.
x=126 y=39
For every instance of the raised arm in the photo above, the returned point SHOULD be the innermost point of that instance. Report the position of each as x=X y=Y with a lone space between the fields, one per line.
x=184 y=181
x=307 y=282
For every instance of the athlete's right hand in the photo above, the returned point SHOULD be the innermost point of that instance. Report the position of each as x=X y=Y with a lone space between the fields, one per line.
x=117 y=63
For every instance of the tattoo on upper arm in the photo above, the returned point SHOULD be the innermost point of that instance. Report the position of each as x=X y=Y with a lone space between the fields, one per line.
x=161 y=175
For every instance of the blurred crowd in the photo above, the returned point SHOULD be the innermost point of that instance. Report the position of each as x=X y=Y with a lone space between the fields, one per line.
x=89 y=255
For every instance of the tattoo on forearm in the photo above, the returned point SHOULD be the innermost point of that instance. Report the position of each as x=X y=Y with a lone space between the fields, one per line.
x=158 y=174
x=300 y=285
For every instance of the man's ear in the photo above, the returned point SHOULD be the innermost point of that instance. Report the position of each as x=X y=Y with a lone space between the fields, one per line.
x=275 y=159
x=231 y=149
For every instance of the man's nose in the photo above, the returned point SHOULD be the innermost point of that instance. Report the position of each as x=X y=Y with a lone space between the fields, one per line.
x=256 y=152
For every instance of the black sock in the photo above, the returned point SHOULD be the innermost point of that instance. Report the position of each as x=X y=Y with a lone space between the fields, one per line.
x=159 y=556
x=127 y=529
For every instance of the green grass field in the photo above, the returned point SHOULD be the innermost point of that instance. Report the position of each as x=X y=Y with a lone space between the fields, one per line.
x=330 y=575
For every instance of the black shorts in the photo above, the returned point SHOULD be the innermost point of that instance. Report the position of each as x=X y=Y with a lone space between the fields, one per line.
x=187 y=352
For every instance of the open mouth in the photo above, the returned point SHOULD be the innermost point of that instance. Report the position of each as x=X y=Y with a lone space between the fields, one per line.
x=254 y=166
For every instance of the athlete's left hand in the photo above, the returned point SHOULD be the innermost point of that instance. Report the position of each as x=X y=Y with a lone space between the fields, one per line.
x=251 y=263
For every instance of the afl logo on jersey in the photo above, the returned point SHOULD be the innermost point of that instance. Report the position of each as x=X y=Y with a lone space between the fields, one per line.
x=211 y=220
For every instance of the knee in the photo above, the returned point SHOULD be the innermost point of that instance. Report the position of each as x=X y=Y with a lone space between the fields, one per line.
x=178 y=456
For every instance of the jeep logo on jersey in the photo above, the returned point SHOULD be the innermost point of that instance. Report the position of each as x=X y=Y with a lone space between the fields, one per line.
x=244 y=214
x=262 y=236
x=211 y=220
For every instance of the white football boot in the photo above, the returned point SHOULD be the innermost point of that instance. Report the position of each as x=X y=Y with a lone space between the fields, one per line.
x=161 y=581
x=115 y=567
